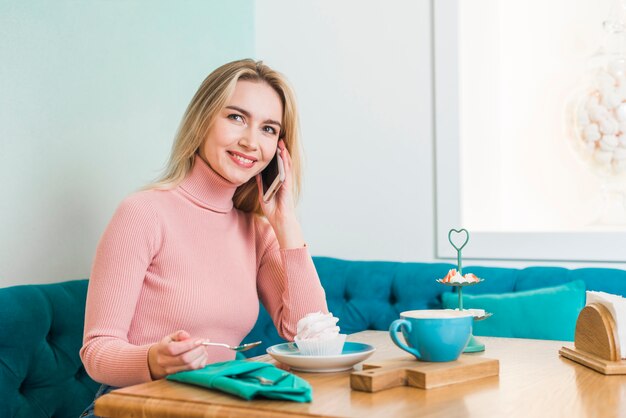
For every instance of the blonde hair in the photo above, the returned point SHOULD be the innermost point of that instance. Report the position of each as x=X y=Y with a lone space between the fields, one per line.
x=208 y=101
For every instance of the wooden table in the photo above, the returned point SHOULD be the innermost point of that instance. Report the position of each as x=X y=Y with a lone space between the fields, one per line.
x=534 y=381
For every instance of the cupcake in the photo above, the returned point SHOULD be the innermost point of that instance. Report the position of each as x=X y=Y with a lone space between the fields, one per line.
x=318 y=335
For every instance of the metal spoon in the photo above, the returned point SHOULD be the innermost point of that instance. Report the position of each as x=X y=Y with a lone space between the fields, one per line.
x=268 y=382
x=242 y=347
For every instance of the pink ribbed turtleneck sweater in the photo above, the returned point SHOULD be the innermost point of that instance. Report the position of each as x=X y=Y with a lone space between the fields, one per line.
x=185 y=259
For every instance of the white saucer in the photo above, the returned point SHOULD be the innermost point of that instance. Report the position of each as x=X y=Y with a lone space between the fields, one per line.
x=353 y=353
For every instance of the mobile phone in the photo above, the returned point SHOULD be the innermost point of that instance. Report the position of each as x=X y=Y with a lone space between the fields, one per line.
x=273 y=177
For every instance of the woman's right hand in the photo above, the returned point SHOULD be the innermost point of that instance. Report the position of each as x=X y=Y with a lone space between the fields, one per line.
x=175 y=353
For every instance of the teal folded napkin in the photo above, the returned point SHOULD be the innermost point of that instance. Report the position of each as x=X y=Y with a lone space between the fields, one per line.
x=245 y=379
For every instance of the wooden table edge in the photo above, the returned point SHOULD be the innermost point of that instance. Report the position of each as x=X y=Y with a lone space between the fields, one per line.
x=135 y=405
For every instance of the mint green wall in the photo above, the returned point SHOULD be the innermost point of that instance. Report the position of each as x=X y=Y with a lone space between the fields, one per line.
x=91 y=94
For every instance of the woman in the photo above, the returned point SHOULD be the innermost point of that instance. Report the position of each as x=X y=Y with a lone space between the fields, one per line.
x=188 y=258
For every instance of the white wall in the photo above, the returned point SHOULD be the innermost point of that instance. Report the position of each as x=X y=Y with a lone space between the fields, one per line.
x=362 y=72
x=91 y=94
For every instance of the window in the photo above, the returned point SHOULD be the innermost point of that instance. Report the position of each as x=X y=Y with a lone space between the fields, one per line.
x=508 y=167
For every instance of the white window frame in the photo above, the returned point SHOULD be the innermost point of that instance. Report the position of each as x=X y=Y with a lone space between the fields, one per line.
x=587 y=247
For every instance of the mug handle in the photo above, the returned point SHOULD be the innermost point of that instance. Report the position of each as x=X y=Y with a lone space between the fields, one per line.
x=393 y=332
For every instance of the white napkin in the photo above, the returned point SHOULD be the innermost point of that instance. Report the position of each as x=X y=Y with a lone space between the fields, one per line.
x=617 y=306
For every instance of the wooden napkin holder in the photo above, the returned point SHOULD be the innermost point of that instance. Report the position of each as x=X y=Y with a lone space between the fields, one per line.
x=596 y=343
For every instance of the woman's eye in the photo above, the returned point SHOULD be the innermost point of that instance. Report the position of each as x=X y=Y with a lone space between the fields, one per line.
x=270 y=130
x=236 y=117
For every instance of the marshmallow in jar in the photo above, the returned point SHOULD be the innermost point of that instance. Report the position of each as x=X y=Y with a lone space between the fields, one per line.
x=601 y=118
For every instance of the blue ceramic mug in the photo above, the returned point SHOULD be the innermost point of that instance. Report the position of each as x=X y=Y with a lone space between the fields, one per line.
x=433 y=335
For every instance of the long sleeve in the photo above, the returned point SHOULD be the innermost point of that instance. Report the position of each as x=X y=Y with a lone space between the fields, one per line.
x=287 y=282
x=124 y=253
x=185 y=259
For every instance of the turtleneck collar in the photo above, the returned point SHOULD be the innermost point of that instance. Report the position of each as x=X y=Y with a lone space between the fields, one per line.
x=207 y=188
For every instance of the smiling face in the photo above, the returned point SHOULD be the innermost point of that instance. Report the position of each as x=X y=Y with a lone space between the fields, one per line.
x=244 y=135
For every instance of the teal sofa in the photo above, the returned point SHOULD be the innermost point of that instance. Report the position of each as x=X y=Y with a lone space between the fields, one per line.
x=41 y=325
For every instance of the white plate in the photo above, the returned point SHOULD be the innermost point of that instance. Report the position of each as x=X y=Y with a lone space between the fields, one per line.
x=353 y=353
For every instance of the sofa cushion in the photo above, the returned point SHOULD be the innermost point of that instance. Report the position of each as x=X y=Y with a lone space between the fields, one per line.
x=368 y=294
x=497 y=279
x=547 y=313
x=41 y=374
x=597 y=279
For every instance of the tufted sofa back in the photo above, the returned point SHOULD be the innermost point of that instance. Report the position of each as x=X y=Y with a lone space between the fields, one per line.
x=371 y=294
x=41 y=326
x=41 y=330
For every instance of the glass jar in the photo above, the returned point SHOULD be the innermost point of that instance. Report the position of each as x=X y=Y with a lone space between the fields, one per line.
x=597 y=117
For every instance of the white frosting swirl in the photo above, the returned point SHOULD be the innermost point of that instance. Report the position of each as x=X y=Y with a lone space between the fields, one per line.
x=454 y=276
x=317 y=326
x=458 y=278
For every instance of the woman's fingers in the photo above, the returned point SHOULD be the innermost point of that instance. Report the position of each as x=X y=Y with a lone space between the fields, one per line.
x=199 y=363
x=193 y=355
x=190 y=360
x=259 y=185
x=286 y=157
x=176 y=352
x=180 y=335
x=179 y=354
x=284 y=154
x=176 y=348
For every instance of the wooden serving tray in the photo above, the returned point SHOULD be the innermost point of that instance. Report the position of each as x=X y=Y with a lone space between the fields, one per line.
x=406 y=371
x=596 y=344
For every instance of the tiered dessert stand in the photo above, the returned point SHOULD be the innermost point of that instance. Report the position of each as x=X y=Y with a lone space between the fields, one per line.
x=474 y=345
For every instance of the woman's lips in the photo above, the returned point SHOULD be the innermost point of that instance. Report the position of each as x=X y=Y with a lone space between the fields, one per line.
x=242 y=160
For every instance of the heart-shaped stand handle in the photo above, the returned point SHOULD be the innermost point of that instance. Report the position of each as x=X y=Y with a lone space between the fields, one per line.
x=459 y=232
x=458 y=248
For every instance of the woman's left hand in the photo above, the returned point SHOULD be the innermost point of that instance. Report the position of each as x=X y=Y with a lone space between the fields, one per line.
x=280 y=211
